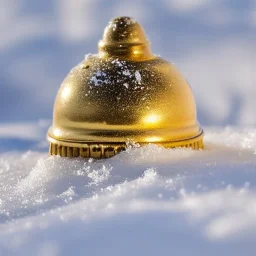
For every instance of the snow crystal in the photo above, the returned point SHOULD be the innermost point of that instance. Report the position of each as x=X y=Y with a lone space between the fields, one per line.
x=130 y=21
x=100 y=73
x=118 y=63
x=69 y=192
x=126 y=72
x=99 y=78
x=98 y=176
x=126 y=85
x=138 y=76
x=95 y=81
x=89 y=56
x=113 y=26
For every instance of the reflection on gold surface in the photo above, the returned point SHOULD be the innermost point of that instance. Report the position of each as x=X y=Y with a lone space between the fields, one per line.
x=152 y=119
x=66 y=92
x=153 y=139
x=57 y=132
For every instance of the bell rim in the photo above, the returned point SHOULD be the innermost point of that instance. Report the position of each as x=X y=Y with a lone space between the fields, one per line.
x=75 y=149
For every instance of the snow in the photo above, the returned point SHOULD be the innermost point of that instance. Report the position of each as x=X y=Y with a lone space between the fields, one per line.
x=126 y=85
x=127 y=72
x=113 y=25
x=138 y=76
x=144 y=201
x=118 y=63
x=88 y=56
x=124 y=70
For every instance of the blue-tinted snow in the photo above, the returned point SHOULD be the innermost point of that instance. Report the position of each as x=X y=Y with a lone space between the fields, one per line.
x=147 y=200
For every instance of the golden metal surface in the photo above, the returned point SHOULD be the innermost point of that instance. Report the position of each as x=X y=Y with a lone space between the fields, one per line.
x=124 y=93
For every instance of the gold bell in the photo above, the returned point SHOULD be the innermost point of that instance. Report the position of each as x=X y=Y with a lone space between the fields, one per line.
x=124 y=93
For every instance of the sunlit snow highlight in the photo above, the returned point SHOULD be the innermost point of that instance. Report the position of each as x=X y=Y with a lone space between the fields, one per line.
x=55 y=204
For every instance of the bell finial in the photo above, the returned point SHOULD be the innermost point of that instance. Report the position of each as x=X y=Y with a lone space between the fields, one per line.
x=124 y=37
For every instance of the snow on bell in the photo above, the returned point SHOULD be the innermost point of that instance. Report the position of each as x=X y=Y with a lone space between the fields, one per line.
x=124 y=93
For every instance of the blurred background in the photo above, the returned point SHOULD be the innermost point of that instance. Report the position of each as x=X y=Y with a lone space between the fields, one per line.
x=212 y=42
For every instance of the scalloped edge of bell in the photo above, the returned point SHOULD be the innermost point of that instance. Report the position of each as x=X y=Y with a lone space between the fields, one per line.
x=106 y=150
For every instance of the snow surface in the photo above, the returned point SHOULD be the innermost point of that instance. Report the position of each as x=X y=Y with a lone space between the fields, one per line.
x=145 y=201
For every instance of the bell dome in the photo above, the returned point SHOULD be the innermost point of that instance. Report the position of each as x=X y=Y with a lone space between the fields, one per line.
x=123 y=93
